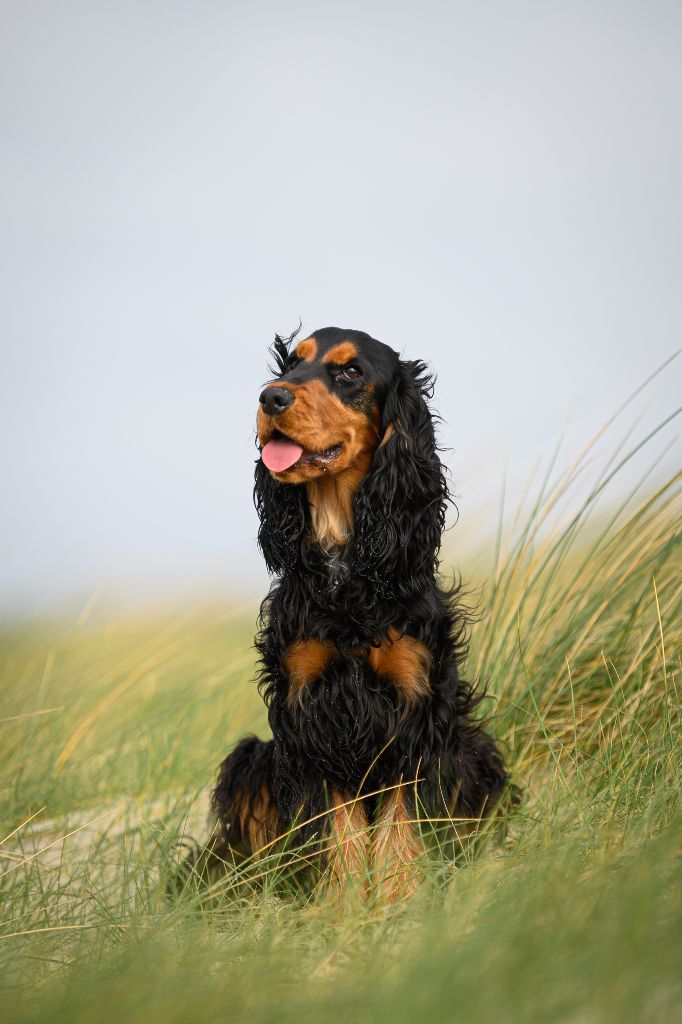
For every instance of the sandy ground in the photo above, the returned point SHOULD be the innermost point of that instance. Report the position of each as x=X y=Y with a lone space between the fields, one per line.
x=82 y=836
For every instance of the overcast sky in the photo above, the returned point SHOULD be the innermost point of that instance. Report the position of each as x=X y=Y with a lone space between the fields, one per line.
x=494 y=187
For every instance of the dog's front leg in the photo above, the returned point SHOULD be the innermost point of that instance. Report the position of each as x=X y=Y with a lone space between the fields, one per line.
x=396 y=848
x=348 y=845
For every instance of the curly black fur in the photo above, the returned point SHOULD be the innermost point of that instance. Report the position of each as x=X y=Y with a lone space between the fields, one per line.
x=350 y=729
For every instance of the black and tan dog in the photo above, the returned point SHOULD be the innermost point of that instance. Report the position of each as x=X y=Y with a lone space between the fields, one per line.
x=359 y=642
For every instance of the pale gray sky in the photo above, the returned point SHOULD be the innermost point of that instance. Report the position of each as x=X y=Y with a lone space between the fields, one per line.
x=494 y=187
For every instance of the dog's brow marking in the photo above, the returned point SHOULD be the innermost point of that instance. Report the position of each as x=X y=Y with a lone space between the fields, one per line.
x=340 y=354
x=307 y=349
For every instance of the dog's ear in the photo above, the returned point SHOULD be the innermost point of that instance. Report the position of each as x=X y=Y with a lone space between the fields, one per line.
x=281 y=509
x=400 y=507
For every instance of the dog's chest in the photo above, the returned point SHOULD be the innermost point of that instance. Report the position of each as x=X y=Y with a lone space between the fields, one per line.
x=337 y=570
x=345 y=719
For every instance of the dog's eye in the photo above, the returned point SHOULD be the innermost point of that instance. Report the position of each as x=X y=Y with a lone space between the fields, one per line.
x=349 y=373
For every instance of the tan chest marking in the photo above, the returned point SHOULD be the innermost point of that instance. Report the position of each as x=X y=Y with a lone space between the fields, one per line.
x=402 y=659
x=330 y=499
x=405 y=661
x=305 y=660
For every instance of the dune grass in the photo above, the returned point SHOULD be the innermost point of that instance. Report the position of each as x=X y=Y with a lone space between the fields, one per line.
x=567 y=910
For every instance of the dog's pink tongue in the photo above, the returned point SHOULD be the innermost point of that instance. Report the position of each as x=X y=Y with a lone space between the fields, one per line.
x=281 y=455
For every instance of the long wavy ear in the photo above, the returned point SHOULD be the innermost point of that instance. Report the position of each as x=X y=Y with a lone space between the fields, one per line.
x=400 y=508
x=281 y=509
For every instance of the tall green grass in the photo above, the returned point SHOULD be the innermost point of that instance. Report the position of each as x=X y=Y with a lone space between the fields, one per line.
x=569 y=910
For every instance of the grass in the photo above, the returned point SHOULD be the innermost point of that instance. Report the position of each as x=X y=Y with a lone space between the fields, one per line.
x=110 y=735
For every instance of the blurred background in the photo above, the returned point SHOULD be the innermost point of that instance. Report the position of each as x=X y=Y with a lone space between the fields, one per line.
x=493 y=187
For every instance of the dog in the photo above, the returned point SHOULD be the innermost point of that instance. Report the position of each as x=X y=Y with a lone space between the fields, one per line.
x=359 y=641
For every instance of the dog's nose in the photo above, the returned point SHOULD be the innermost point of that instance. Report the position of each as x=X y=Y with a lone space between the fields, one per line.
x=275 y=400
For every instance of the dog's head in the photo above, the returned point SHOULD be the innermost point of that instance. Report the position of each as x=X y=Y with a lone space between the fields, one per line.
x=344 y=407
x=322 y=414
